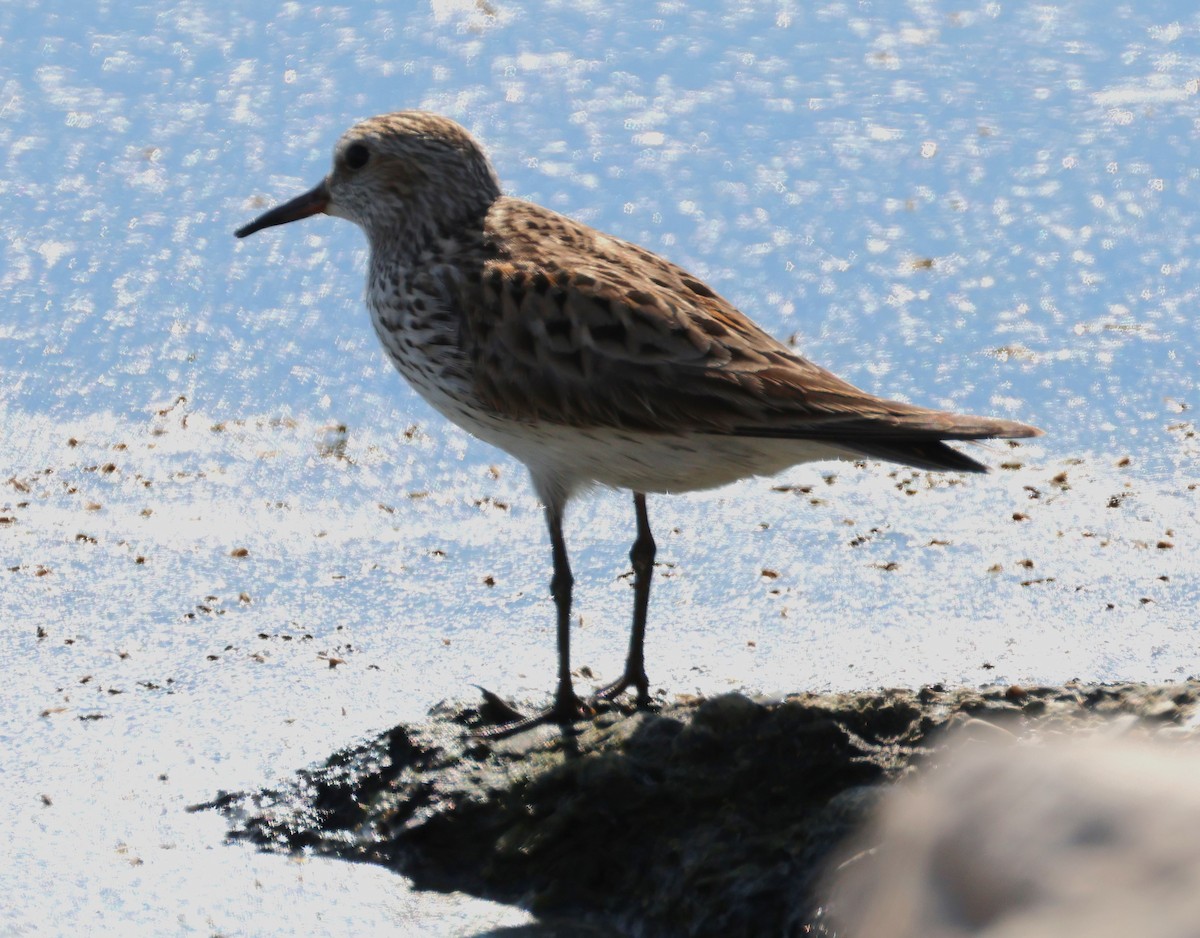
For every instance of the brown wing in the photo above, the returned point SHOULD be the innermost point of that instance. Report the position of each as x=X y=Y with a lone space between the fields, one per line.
x=571 y=326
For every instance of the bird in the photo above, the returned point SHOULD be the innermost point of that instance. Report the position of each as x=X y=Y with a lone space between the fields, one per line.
x=590 y=359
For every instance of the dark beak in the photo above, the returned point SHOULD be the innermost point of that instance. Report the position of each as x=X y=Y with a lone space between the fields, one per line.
x=311 y=203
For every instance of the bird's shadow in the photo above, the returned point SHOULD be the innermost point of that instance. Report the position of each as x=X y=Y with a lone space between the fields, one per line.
x=714 y=815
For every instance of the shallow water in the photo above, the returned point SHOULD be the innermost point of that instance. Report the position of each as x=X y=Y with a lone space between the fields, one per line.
x=991 y=210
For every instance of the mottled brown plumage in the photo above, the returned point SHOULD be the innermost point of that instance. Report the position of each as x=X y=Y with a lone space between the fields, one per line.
x=589 y=358
x=570 y=326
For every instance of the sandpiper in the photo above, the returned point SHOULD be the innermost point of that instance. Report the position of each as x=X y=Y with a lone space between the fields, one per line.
x=590 y=359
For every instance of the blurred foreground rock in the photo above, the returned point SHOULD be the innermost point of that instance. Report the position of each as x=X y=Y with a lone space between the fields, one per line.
x=712 y=817
x=1096 y=836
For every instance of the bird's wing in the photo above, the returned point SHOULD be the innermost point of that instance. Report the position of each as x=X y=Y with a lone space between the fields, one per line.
x=570 y=326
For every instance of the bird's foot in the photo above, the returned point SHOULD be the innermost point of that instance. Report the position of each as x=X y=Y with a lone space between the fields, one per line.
x=504 y=721
x=637 y=680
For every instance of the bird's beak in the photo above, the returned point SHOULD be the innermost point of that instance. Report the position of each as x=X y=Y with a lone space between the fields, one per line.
x=314 y=201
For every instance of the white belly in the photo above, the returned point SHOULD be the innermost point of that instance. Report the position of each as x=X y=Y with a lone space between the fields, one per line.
x=570 y=458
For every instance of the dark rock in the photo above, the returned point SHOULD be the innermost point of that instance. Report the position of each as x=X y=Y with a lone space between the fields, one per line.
x=708 y=818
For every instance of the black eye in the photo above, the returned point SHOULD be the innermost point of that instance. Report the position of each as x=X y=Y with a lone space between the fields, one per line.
x=357 y=156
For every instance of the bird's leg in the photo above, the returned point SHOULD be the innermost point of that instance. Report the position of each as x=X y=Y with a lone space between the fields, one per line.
x=641 y=555
x=567 y=708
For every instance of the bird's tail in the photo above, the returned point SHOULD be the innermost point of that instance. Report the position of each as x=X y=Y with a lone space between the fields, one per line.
x=915 y=438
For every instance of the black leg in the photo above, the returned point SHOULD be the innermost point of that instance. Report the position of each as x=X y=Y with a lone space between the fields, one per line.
x=641 y=555
x=566 y=704
x=567 y=708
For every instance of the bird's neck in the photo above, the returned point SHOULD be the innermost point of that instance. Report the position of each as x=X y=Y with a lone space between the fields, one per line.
x=417 y=238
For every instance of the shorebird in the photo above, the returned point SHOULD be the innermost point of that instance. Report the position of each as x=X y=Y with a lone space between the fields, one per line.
x=590 y=359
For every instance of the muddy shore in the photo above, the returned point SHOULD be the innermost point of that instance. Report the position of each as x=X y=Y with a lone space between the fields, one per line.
x=708 y=817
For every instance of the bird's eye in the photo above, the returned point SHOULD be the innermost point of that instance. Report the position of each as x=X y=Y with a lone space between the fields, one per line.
x=357 y=155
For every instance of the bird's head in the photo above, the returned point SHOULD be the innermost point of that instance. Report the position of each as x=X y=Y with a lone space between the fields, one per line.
x=405 y=175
